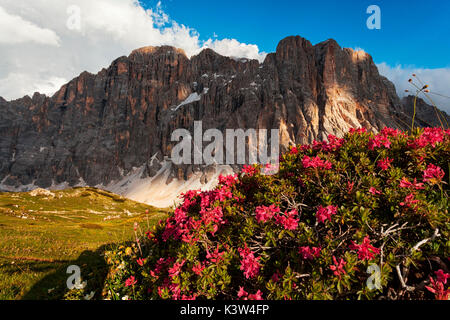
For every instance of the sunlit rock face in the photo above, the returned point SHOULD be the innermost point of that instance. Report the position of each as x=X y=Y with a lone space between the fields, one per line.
x=113 y=129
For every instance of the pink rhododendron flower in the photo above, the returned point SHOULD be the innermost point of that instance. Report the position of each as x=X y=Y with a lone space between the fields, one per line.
x=433 y=136
x=294 y=150
x=430 y=136
x=183 y=227
x=176 y=268
x=338 y=267
x=316 y=162
x=245 y=296
x=404 y=183
x=350 y=186
x=229 y=180
x=214 y=216
x=333 y=144
x=249 y=170
x=131 y=281
x=438 y=289
x=441 y=276
x=242 y=292
x=374 y=191
x=324 y=214
x=305 y=147
x=215 y=256
x=140 y=261
x=198 y=268
x=409 y=201
x=224 y=194
x=189 y=238
x=180 y=215
x=256 y=296
x=176 y=291
x=316 y=145
x=433 y=174
x=391 y=132
x=160 y=265
x=385 y=163
x=353 y=131
x=365 y=250
x=189 y=199
x=379 y=141
x=263 y=213
x=309 y=253
x=289 y=221
x=249 y=263
x=172 y=230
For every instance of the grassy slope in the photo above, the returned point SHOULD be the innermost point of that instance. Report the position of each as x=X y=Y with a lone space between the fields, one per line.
x=40 y=236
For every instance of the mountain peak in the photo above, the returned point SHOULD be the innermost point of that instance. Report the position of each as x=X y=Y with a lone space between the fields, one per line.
x=208 y=52
x=293 y=42
x=150 y=50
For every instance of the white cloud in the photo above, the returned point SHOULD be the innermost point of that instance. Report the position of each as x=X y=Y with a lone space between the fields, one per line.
x=21 y=84
x=437 y=79
x=233 y=48
x=14 y=30
x=109 y=29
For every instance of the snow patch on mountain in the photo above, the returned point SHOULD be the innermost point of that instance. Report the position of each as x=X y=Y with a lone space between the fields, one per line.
x=156 y=191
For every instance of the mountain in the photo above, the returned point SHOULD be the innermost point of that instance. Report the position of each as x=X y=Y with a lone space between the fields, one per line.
x=112 y=129
x=426 y=115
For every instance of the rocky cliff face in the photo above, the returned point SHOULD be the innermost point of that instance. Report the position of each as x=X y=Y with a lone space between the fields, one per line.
x=113 y=129
x=426 y=115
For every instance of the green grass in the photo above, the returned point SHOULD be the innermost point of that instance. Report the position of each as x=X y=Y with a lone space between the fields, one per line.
x=40 y=236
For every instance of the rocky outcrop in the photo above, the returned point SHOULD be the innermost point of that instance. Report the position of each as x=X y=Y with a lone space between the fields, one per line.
x=426 y=115
x=99 y=130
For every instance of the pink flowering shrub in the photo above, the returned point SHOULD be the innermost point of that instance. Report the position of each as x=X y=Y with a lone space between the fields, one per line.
x=311 y=231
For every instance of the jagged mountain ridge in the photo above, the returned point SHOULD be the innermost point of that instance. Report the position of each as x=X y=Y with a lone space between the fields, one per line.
x=113 y=129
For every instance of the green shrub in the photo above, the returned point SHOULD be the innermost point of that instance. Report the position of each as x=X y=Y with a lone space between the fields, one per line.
x=363 y=217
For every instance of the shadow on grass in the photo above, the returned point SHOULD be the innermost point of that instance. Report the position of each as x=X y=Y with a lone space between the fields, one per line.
x=54 y=285
x=29 y=267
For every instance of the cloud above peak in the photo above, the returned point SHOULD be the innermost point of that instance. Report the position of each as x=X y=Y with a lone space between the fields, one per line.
x=47 y=42
x=234 y=48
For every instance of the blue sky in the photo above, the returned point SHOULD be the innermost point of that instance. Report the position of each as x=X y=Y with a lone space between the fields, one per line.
x=413 y=33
